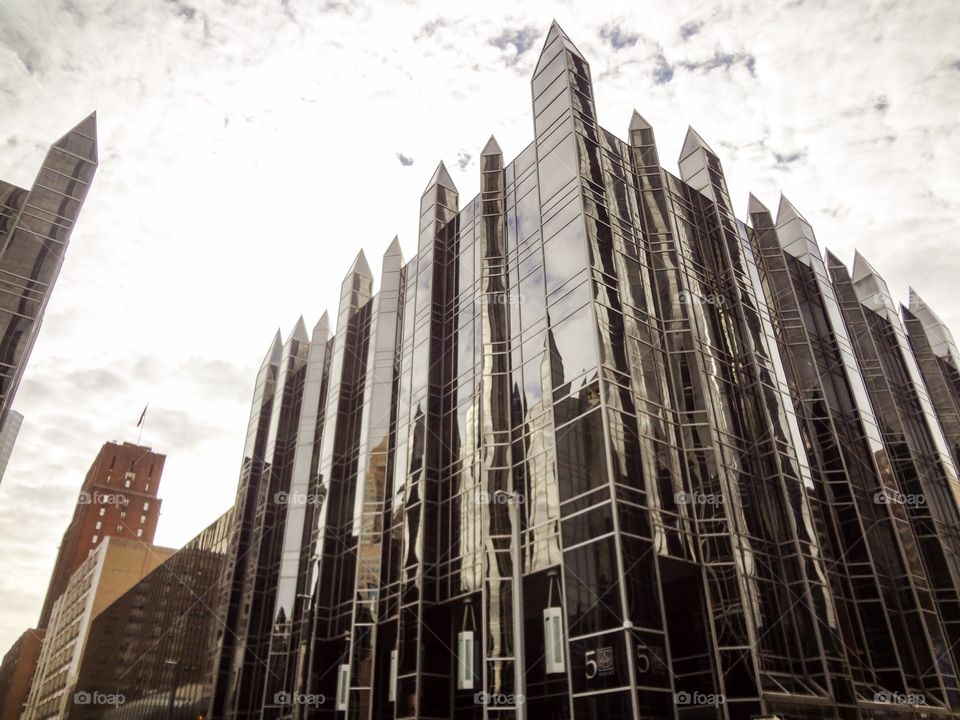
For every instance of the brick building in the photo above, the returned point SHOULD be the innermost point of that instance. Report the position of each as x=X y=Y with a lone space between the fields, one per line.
x=16 y=672
x=118 y=499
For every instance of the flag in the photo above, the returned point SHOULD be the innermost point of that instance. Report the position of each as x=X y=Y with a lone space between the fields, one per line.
x=143 y=415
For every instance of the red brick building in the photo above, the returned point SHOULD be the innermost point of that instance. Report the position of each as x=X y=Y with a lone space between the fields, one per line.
x=118 y=499
x=16 y=672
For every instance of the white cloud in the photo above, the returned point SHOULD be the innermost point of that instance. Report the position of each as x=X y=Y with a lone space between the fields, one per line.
x=250 y=148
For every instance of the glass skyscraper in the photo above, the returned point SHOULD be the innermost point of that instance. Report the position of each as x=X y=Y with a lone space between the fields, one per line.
x=35 y=227
x=600 y=450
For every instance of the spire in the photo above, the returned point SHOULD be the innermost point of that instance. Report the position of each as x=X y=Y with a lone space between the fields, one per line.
x=832 y=260
x=862 y=267
x=492 y=147
x=394 y=249
x=637 y=122
x=754 y=206
x=360 y=266
x=441 y=177
x=693 y=142
x=274 y=351
x=760 y=219
x=787 y=211
x=299 y=332
x=321 y=330
x=392 y=261
x=81 y=139
x=795 y=233
x=701 y=172
x=556 y=37
x=938 y=334
x=871 y=289
x=643 y=142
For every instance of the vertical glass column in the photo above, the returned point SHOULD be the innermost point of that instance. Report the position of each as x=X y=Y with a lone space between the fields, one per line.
x=501 y=502
x=422 y=674
x=333 y=568
x=289 y=639
x=374 y=458
x=230 y=650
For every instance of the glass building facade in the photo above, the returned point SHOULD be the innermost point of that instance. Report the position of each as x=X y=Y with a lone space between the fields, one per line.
x=599 y=450
x=35 y=228
x=149 y=654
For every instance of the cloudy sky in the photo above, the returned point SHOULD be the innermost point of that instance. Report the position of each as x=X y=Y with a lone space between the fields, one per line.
x=249 y=148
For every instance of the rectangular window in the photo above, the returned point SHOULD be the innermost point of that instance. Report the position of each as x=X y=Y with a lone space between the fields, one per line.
x=99 y=525
x=139 y=532
x=392 y=688
x=103 y=511
x=143 y=519
x=553 y=640
x=343 y=687
x=465 y=660
x=95 y=538
x=146 y=506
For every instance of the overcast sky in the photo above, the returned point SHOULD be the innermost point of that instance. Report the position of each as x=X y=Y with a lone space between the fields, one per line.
x=249 y=149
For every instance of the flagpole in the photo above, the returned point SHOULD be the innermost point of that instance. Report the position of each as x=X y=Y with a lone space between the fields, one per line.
x=142 y=423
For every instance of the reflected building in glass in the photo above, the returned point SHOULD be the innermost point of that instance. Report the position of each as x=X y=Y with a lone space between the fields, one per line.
x=35 y=228
x=600 y=449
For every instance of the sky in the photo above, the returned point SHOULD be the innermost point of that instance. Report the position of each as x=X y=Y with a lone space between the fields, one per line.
x=250 y=148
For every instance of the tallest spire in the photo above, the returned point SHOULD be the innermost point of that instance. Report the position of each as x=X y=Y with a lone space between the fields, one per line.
x=81 y=139
x=561 y=84
x=556 y=37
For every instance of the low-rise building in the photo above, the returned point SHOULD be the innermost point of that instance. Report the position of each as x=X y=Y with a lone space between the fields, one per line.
x=111 y=570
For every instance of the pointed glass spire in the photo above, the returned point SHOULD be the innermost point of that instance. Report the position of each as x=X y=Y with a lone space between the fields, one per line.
x=788 y=211
x=394 y=249
x=299 y=332
x=643 y=141
x=561 y=85
x=938 y=334
x=700 y=168
x=871 y=289
x=322 y=329
x=492 y=147
x=441 y=177
x=638 y=122
x=274 y=351
x=360 y=266
x=439 y=202
x=754 y=206
x=831 y=260
x=392 y=260
x=693 y=142
x=556 y=37
x=795 y=233
x=81 y=140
